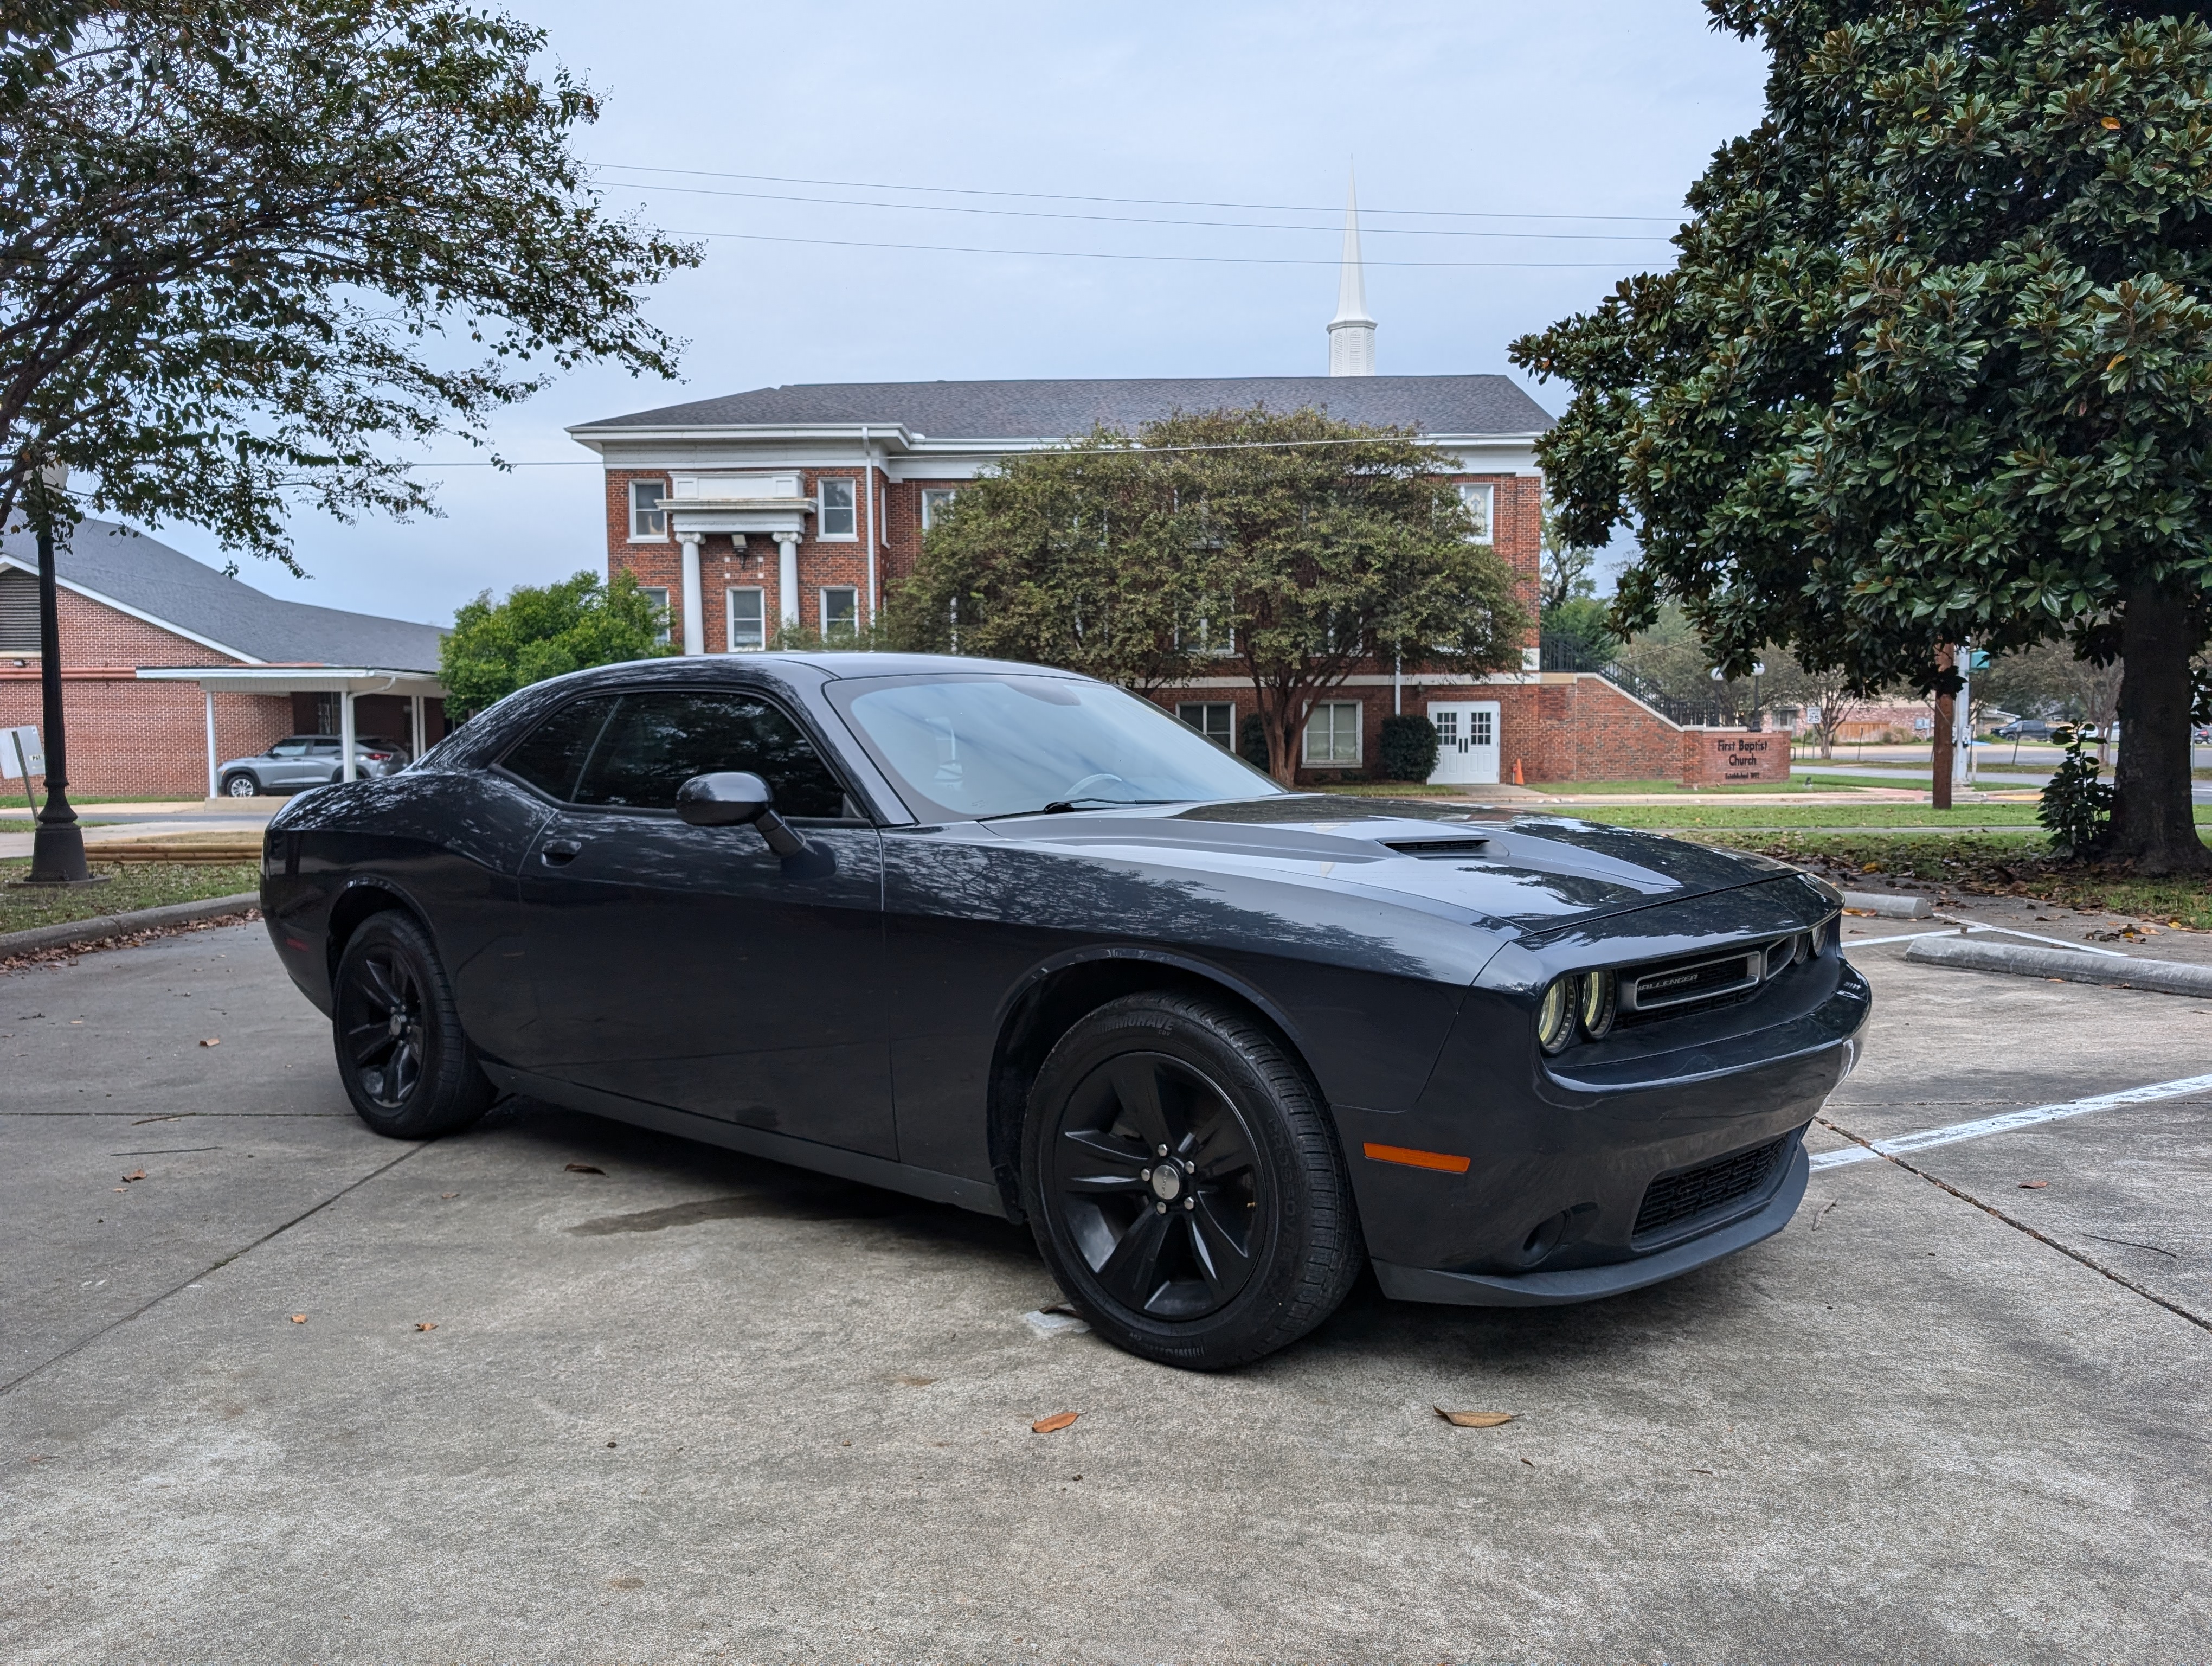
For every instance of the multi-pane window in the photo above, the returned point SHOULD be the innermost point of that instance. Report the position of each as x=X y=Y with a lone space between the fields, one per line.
x=748 y=616
x=935 y=500
x=837 y=517
x=1333 y=732
x=1479 y=501
x=647 y=518
x=1214 y=719
x=841 y=612
x=1207 y=635
x=658 y=595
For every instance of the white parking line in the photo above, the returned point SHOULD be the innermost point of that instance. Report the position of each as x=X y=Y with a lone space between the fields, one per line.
x=2009 y=1120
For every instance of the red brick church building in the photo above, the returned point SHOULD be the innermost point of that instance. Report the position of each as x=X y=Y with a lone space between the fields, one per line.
x=804 y=504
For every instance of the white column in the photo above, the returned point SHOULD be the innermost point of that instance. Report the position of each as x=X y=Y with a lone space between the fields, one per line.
x=345 y=734
x=214 y=786
x=786 y=576
x=415 y=724
x=695 y=612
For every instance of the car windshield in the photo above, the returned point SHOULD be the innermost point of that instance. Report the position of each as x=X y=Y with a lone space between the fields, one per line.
x=968 y=748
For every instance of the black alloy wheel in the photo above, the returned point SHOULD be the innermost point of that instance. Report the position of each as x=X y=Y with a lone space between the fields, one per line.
x=406 y=1065
x=242 y=787
x=1182 y=1179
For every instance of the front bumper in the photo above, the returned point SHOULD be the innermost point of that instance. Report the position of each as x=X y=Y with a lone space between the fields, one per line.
x=1588 y=1284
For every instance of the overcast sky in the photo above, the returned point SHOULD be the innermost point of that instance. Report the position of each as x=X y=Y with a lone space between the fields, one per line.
x=1520 y=157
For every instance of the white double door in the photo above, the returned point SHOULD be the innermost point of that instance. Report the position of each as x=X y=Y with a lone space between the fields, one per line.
x=1467 y=741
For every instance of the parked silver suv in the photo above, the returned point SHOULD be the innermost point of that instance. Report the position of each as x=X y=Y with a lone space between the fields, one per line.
x=301 y=760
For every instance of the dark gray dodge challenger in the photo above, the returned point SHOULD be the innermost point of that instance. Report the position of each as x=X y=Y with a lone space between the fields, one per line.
x=1017 y=940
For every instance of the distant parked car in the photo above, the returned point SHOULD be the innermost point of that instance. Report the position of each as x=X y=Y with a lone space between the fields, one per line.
x=301 y=760
x=2025 y=728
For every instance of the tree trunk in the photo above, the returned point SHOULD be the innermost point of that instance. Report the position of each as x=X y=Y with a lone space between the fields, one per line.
x=1944 y=745
x=2152 y=823
x=1281 y=716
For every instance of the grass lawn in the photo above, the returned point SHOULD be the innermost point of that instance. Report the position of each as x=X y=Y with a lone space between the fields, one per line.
x=2013 y=864
x=1847 y=816
x=130 y=885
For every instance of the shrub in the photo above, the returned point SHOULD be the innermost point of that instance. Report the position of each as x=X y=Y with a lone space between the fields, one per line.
x=1409 y=748
x=1252 y=741
x=2076 y=807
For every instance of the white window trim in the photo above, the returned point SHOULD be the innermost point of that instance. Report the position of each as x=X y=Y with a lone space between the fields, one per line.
x=1231 y=704
x=1359 y=738
x=821 y=507
x=1489 y=533
x=929 y=492
x=730 y=617
x=821 y=606
x=660 y=537
x=667 y=610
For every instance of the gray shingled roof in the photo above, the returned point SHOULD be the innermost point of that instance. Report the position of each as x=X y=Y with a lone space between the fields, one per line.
x=1059 y=410
x=145 y=573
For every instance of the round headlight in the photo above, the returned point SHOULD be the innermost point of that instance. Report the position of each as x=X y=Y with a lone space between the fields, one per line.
x=1600 y=994
x=1555 y=1014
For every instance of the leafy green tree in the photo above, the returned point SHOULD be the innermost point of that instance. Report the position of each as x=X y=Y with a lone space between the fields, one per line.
x=252 y=249
x=1287 y=546
x=546 y=630
x=1567 y=567
x=1061 y=557
x=1934 y=364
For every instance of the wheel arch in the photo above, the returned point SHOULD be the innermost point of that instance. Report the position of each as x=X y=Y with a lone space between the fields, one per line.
x=1058 y=994
x=361 y=899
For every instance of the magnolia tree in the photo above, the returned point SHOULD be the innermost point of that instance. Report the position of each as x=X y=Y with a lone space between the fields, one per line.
x=1934 y=365
x=1283 y=547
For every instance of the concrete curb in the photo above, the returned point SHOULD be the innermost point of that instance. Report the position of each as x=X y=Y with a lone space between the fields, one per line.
x=2118 y=971
x=100 y=927
x=1888 y=905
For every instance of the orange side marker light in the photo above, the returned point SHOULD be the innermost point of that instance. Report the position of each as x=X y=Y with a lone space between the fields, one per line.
x=1444 y=1162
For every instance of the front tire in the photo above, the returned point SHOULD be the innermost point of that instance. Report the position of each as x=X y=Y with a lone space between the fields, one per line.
x=409 y=1071
x=1182 y=1179
x=240 y=786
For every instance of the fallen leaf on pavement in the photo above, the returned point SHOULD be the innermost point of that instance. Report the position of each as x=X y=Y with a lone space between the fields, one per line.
x=135 y=1174
x=584 y=1168
x=426 y=1324
x=1474 y=1419
x=212 y=1041
x=1053 y=1424
x=2034 y=1185
x=448 y=1193
x=299 y=1318
x=1531 y=1462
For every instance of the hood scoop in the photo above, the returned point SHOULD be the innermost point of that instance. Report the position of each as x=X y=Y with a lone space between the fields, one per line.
x=1440 y=850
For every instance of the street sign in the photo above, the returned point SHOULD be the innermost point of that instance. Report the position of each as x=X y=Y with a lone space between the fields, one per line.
x=20 y=754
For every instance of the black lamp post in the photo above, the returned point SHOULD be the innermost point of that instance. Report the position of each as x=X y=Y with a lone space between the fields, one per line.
x=58 y=845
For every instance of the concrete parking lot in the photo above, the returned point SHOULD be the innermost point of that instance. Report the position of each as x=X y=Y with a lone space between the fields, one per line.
x=697 y=1407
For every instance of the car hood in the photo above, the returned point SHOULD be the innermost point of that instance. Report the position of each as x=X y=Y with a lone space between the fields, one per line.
x=1537 y=873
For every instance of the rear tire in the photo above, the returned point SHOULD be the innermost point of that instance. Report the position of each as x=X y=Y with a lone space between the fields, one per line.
x=409 y=1071
x=1239 y=1239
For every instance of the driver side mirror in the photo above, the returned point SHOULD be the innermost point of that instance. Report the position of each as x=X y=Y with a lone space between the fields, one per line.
x=737 y=798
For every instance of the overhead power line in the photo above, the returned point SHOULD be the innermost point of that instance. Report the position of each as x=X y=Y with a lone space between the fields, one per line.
x=1151 y=219
x=1203 y=259
x=1138 y=201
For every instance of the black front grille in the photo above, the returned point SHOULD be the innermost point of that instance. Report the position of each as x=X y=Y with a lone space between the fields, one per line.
x=1676 y=1198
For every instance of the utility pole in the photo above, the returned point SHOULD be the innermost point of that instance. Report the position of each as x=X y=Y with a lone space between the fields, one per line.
x=1943 y=743
x=57 y=844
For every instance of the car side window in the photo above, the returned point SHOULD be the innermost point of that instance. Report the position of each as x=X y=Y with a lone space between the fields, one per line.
x=552 y=755
x=656 y=742
x=323 y=748
x=289 y=749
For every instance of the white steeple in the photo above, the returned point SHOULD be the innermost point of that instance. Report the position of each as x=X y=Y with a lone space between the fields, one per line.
x=1352 y=333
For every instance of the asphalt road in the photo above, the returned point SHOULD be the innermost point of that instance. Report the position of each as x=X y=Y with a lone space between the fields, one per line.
x=697 y=1407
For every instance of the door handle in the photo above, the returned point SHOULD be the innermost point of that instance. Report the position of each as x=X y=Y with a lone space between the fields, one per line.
x=558 y=852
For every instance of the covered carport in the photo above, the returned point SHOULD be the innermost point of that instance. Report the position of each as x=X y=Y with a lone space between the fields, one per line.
x=349 y=682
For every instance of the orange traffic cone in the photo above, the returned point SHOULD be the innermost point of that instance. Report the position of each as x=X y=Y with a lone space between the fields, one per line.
x=1517 y=781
